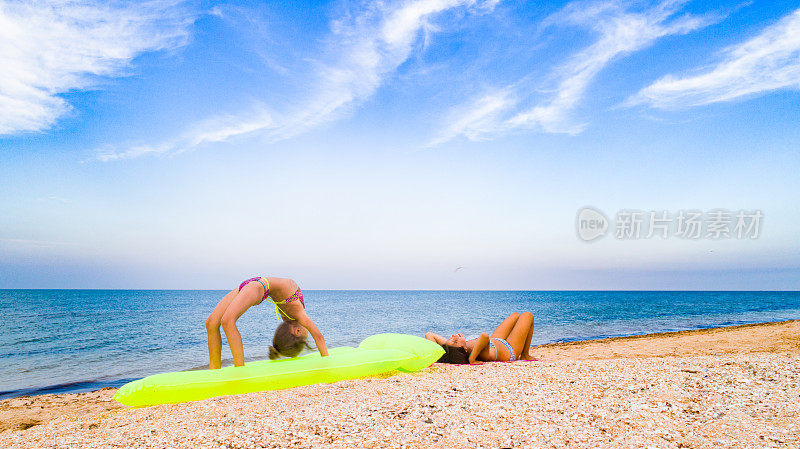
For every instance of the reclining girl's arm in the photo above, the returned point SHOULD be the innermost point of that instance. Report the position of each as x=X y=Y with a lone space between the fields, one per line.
x=480 y=345
x=435 y=338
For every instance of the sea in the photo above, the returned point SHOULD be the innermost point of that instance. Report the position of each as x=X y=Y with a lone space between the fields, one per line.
x=66 y=341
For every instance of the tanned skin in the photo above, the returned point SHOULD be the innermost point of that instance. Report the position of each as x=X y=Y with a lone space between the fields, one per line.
x=517 y=330
x=236 y=302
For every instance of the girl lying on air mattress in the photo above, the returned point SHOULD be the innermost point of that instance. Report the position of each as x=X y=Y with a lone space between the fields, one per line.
x=509 y=342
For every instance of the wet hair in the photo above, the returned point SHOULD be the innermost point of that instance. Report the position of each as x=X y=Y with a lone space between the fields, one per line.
x=285 y=343
x=456 y=355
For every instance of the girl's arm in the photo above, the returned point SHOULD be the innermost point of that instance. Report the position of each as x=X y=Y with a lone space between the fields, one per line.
x=480 y=344
x=304 y=320
x=435 y=338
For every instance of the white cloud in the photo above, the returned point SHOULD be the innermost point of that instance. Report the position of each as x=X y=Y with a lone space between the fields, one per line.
x=363 y=49
x=218 y=129
x=619 y=32
x=32 y=243
x=765 y=63
x=57 y=199
x=48 y=48
x=479 y=119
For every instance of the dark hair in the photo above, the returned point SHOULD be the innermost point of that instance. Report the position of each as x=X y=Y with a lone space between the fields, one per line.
x=285 y=343
x=457 y=355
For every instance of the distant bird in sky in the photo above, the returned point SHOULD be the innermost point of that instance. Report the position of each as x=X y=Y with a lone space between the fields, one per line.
x=457 y=269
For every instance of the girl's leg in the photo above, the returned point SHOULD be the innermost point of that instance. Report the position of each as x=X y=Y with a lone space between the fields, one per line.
x=213 y=322
x=249 y=296
x=505 y=327
x=526 y=350
x=519 y=334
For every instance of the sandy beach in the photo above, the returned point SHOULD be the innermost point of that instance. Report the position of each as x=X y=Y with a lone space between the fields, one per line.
x=725 y=387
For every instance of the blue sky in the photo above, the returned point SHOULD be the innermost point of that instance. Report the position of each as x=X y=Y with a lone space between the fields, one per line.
x=169 y=144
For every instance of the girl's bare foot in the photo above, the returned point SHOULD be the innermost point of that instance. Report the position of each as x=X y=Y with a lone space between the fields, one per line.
x=527 y=357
